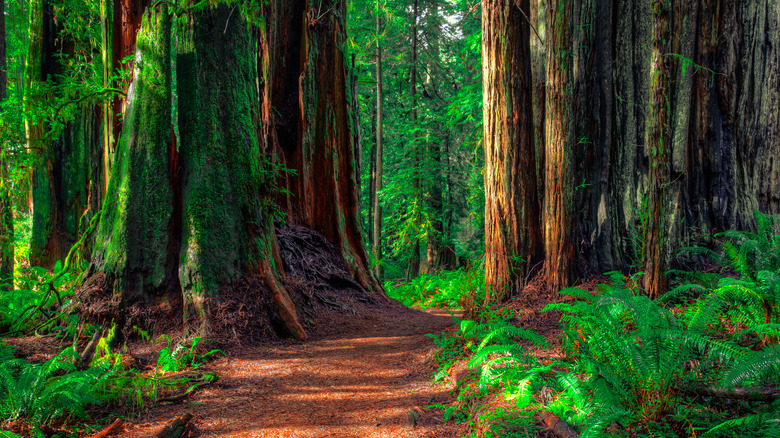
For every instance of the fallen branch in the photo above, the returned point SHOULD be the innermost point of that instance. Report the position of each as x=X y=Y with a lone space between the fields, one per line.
x=758 y=393
x=557 y=426
x=177 y=428
x=86 y=356
x=115 y=428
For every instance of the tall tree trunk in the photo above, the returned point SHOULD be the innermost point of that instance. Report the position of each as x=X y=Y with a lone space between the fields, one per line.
x=107 y=122
x=311 y=125
x=371 y=183
x=61 y=175
x=512 y=244
x=226 y=232
x=45 y=245
x=376 y=226
x=413 y=269
x=434 y=136
x=658 y=141
x=559 y=136
x=135 y=248
x=6 y=208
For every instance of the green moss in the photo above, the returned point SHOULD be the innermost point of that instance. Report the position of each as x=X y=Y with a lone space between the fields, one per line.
x=133 y=239
x=222 y=206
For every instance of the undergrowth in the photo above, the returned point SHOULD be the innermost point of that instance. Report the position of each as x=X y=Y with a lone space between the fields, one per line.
x=445 y=289
x=702 y=360
x=68 y=392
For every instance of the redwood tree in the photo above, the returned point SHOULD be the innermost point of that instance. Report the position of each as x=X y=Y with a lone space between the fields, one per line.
x=656 y=257
x=6 y=211
x=311 y=118
x=180 y=226
x=513 y=246
x=376 y=225
x=559 y=141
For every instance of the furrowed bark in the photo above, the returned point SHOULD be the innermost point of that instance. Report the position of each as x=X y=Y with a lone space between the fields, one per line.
x=311 y=125
x=413 y=268
x=376 y=226
x=557 y=215
x=226 y=230
x=512 y=229
x=133 y=243
x=656 y=233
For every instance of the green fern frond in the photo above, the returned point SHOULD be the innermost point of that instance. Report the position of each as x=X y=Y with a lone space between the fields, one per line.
x=753 y=367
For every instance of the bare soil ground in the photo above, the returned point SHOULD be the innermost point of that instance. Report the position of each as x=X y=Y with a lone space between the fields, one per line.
x=364 y=376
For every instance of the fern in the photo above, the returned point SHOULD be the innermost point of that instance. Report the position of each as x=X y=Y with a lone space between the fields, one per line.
x=45 y=392
x=753 y=367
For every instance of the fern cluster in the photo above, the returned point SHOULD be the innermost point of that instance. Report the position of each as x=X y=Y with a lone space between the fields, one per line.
x=44 y=392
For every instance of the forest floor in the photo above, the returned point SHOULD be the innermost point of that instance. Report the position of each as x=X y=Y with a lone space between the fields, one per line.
x=366 y=375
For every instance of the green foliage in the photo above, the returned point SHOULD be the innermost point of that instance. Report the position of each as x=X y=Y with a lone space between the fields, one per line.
x=45 y=392
x=445 y=289
x=172 y=359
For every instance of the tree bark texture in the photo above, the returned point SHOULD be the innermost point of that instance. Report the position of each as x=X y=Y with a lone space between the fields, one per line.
x=655 y=233
x=512 y=209
x=413 y=268
x=310 y=124
x=134 y=246
x=182 y=223
x=63 y=159
x=557 y=212
x=226 y=226
x=724 y=106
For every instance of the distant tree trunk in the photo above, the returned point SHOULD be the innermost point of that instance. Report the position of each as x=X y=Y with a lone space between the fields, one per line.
x=656 y=236
x=512 y=244
x=558 y=209
x=45 y=246
x=539 y=78
x=126 y=24
x=371 y=183
x=6 y=207
x=436 y=248
x=61 y=174
x=377 y=224
x=107 y=122
x=311 y=125
x=413 y=269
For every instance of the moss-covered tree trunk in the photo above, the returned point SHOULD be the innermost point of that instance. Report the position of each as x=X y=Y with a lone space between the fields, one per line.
x=413 y=267
x=309 y=110
x=226 y=226
x=107 y=115
x=512 y=231
x=183 y=222
x=135 y=248
x=6 y=208
x=61 y=167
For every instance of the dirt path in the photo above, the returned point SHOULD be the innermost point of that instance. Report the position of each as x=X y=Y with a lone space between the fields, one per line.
x=365 y=378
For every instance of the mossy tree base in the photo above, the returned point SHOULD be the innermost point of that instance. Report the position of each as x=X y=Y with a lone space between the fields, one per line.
x=183 y=224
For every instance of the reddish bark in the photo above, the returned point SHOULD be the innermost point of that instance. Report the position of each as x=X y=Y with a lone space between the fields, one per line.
x=512 y=230
x=309 y=124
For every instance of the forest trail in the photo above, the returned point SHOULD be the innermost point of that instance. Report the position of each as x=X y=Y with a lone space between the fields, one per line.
x=364 y=378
